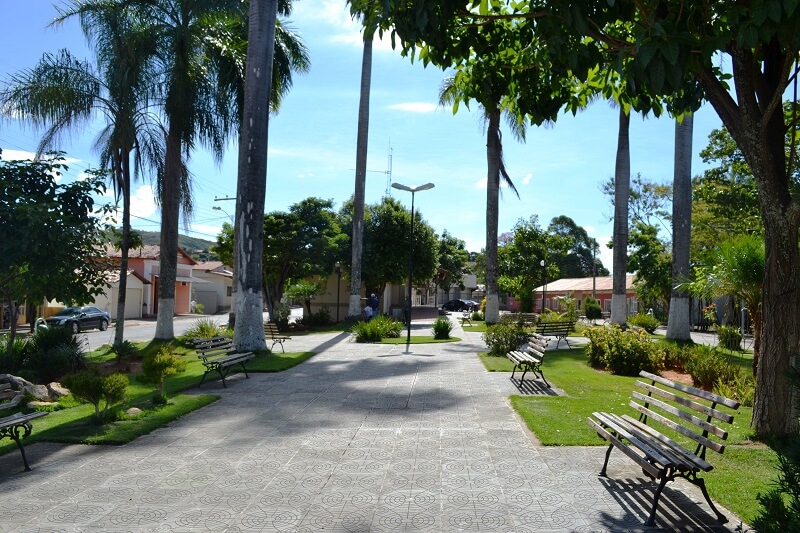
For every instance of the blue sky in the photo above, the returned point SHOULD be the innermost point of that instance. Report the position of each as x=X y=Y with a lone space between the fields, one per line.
x=558 y=170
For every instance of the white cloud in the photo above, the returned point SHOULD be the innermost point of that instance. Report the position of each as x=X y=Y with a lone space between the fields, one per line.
x=143 y=202
x=481 y=183
x=16 y=155
x=527 y=179
x=415 y=107
x=590 y=230
x=344 y=29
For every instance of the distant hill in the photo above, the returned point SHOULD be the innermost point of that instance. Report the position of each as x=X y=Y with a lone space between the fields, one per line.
x=189 y=244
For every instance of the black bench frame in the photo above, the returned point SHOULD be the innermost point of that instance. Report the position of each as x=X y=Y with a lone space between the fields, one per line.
x=531 y=359
x=659 y=456
x=559 y=330
x=271 y=333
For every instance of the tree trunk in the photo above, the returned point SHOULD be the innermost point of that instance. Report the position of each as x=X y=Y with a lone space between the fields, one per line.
x=354 y=307
x=124 y=248
x=622 y=187
x=678 y=323
x=493 y=151
x=170 y=215
x=252 y=178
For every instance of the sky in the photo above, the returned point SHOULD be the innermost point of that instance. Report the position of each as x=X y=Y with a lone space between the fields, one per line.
x=558 y=170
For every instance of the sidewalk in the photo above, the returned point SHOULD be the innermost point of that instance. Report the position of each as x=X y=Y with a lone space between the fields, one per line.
x=357 y=438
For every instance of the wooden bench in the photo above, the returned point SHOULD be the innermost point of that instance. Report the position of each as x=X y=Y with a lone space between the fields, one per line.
x=559 y=330
x=659 y=456
x=529 y=319
x=220 y=356
x=530 y=359
x=271 y=333
x=466 y=317
x=17 y=426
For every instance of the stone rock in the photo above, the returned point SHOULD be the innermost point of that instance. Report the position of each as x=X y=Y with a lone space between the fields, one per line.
x=56 y=390
x=18 y=383
x=34 y=405
x=133 y=411
x=39 y=392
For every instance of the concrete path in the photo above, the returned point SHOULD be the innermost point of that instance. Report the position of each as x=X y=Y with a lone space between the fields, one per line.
x=358 y=438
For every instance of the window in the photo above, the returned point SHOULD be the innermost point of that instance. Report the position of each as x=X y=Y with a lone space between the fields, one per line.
x=228 y=291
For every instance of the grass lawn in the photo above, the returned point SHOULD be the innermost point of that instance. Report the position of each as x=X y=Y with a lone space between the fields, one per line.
x=477 y=327
x=75 y=423
x=417 y=339
x=744 y=470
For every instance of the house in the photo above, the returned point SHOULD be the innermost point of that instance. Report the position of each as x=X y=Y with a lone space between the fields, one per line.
x=215 y=294
x=134 y=291
x=580 y=288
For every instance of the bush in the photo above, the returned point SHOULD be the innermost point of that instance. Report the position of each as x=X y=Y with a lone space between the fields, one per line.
x=377 y=329
x=623 y=352
x=204 y=328
x=11 y=364
x=742 y=388
x=157 y=366
x=477 y=315
x=53 y=353
x=281 y=318
x=442 y=328
x=730 y=337
x=125 y=350
x=92 y=387
x=642 y=320
x=504 y=337
x=676 y=355
x=199 y=308
x=708 y=367
x=592 y=309
x=320 y=318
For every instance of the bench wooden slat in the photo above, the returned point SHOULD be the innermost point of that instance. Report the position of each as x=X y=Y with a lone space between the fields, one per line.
x=703 y=441
x=700 y=408
x=727 y=402
x=641 y=461
x=678 y=459
x=702 y=464
x=620 y=428
x=683 y=415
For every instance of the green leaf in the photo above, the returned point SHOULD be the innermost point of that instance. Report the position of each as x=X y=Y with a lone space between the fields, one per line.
x=670 y=51
x=484 y=7
x=774 y=8
x=657 y=76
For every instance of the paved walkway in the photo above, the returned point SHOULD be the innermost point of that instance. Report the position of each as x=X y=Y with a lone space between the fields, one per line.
x=358 y=438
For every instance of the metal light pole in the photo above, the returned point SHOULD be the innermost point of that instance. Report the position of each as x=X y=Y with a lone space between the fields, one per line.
x=412 y=190
x=594 y=270
x=232 y=312
x=338 y=266
x=544 y=287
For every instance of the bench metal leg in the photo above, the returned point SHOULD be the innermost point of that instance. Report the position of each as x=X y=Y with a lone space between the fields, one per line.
x=541 y=374
x=605 y=463
x=702 y=484
x=17 y=433
x=652 y=519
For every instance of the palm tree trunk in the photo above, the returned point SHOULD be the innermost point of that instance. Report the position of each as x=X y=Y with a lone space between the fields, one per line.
x=124 y=248
x=354 y=307
x=622 y=187
x=170 y=215
x=493 y=151
x=678 y=323
x=252 y=178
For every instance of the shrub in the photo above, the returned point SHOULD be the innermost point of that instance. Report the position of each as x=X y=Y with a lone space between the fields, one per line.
x=125 y=350
x=281 y=318
x=54 y=352
x=442 y=328
x=377 y=329
x=204 y=328
x=623 y=352
x=570 y=308
x=320 y=318
x=10 y=364
x=741 y=388
x=199 y=308
x=157 y=366
x=93 y=387
x=729 y=337
x=708 y=366
x=592 y=309
x=504 y=337
x=477 y=315
x=513 y=320
x=676 y=355
x=645 y=321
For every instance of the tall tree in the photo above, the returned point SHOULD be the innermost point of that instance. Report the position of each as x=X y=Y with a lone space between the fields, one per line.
x=622 y=180
x=652 y=263
x=64 y=94
x=678 y=321
x=453 y=258
x=580 y=260
x=252 y=177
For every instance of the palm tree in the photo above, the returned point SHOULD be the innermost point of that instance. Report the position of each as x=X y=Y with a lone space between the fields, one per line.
x=622 y=187
x=64 y=94
x=678 y=323
x=252 y=179
x=451 y=93
x=354 y=307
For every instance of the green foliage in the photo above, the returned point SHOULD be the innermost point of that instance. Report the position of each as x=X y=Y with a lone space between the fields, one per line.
x=592 y=309
x=12 y=360
x=477 y=315
x=159 y=365
x=305 y=289
x=653 y=266
x=570 y=306
x=645 y=321
x=199 y=308
x=730 y=337
x=92 y=387
x=676 y=355
x=453 y=258
x=504 y=337
x=54 y=352
x=125 y=350
x=708 y=366
x=741 y=387
x=442 y=328
x=280 y=315
x=377 y=329
x=577 y=261
x=320 y=318
x=204 y=328
x=621 y=352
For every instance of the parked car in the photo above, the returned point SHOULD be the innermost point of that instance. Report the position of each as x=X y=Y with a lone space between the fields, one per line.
x=460 y=305
x=81 y=318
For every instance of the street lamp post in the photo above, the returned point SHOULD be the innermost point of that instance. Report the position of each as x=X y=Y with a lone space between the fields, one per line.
x=594 y=270
x=338 y=266
x=412 y=190
x=544 y=287
x=234 y=279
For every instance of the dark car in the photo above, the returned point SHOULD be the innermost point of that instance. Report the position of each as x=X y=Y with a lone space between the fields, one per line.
x=80 y=318
x=459 y=305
